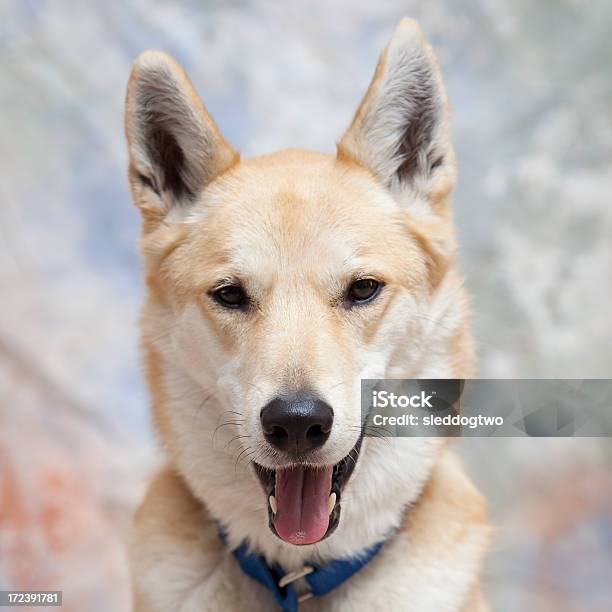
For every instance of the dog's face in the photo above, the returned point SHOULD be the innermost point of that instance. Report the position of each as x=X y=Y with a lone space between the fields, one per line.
x=278 y=283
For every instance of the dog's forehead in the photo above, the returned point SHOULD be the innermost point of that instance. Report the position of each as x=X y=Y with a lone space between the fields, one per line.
x=297 y=207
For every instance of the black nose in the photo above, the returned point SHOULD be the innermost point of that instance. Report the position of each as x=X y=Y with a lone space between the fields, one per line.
x=297 y=424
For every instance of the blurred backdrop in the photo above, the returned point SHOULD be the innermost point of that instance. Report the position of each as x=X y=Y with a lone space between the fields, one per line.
x=531 y=88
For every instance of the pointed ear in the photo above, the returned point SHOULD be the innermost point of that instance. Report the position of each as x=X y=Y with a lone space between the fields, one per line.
x=401 y=131
x=175 y=148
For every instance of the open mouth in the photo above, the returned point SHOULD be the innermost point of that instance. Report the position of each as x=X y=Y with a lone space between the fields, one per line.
x=304 y=501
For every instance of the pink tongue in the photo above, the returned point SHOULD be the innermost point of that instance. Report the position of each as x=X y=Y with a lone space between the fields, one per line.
x=301 y=498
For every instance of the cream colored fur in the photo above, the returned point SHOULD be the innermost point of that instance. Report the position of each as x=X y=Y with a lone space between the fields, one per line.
x=295 y=227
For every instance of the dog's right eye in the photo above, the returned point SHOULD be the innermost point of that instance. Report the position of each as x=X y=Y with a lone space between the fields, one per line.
x=231 y=296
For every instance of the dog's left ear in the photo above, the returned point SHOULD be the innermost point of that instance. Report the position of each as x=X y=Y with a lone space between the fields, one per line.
x=401 y=131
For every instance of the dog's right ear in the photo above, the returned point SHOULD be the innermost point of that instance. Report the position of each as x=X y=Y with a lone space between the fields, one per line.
x=175 y=148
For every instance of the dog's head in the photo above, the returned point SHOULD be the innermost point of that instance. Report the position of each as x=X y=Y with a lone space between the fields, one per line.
x=277 y=283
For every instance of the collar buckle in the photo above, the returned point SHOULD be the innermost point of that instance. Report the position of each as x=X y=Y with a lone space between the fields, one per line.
x=293 y=576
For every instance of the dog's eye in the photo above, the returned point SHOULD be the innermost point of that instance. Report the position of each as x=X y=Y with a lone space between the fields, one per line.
x=363 y=290
x=231 y=296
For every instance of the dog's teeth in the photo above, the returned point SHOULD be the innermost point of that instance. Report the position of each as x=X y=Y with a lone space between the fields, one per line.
x=331 y=503
x=273 y=505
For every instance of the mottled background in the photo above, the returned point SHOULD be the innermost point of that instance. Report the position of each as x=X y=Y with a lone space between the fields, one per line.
x=531 y=87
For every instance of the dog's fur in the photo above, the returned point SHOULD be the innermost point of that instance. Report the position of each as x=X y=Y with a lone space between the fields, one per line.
x=294 y=228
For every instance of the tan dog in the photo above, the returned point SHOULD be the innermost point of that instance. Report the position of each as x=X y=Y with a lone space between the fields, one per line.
x=276 y=284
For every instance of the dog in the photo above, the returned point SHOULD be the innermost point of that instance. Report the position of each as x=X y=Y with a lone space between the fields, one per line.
x=274 y=286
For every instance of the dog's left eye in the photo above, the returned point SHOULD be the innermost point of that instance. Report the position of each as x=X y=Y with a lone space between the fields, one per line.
x=363 y=290
x=231 y=296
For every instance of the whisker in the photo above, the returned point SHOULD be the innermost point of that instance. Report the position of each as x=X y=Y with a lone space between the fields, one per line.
x=239 y=437
x=225 y=424
x=247 y=449
x=199 y=409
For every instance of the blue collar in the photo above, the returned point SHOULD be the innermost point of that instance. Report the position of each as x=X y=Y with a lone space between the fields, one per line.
x=320 y=579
